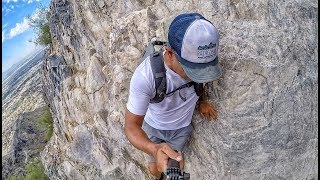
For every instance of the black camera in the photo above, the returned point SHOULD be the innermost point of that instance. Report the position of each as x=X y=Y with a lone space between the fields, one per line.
x=174 y=173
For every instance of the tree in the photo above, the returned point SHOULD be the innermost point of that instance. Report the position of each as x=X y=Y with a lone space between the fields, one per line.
x=40 y=23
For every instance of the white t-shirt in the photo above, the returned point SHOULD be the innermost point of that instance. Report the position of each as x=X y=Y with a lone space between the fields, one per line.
x=171 y=113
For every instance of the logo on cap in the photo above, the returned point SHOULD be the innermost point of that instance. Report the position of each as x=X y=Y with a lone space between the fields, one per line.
x=207 y=51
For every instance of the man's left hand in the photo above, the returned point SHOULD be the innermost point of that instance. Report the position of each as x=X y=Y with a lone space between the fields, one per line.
x=207 y=110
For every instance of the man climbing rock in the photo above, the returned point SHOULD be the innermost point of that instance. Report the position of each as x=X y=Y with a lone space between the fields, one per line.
x=161 y=128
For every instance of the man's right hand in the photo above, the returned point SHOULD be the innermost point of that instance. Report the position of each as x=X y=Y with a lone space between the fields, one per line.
x=138 y=138
x=163 y=153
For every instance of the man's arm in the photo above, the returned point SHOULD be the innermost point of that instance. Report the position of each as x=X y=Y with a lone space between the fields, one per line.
x=139 y=139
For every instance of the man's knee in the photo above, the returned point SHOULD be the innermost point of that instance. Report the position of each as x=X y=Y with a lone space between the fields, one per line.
x=153 y=169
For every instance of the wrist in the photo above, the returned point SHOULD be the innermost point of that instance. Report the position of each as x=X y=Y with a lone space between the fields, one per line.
x=201 y=101
x=152 y=149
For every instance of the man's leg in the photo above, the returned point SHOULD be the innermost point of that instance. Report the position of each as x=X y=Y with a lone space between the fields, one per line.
x=178 y=140
x=153 y=136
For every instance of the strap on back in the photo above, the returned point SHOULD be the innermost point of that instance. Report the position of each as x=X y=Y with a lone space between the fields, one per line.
x=159 y=74
x=150 y=49
x=189 y=84
x=198 y=87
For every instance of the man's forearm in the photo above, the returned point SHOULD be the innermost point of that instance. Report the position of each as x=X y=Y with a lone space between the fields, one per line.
x=139 y=139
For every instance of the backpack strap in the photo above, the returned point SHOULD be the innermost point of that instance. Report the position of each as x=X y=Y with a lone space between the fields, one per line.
x=150 y=49
x=159 y=74
x=198 y=87
x=189 y=84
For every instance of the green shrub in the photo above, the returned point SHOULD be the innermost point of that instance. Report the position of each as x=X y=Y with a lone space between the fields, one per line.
x=35 y=170
x=43 y=35
x=47 y=122
x=13 y=177
x=40 y=24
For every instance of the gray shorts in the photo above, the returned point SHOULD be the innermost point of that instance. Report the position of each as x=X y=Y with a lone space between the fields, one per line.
x=176 y=139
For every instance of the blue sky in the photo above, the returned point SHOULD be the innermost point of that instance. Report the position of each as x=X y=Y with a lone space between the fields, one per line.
x=16 y=33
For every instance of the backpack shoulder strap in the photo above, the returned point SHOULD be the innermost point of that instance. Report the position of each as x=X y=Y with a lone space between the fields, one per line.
x=159 y=74
x=150 y=49
x=198 y=88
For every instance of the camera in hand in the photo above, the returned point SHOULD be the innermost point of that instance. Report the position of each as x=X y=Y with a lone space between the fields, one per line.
x=174 y=173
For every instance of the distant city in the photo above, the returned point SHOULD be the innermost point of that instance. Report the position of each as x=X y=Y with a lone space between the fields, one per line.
x=20 y=64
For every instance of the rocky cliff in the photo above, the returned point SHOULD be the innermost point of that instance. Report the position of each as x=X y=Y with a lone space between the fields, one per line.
x=21 y=92
x=267 y=96
x=22 y=105
x=27 y=142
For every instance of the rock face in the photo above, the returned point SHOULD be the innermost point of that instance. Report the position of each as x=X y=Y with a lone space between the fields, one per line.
x=22 y=105
x=28 y=142
x=21 y=92
x=267 y=96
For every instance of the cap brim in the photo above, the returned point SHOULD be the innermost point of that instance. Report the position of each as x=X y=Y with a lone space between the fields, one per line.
x=201 y=72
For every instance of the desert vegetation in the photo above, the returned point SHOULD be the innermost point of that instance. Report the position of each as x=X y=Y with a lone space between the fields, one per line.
x=40 y=24
x=47 y=122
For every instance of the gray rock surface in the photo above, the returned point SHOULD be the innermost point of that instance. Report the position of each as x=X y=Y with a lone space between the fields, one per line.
x=267 y=97
x=27 y=142
x=21 y=92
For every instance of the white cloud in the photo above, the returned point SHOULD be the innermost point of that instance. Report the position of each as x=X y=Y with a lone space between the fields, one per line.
x=7 y=1
x=6 y=10
x=38 y=14
x=3 y=35
x=4 y=32
x=20 y=28
x=4 y=26
x=29 y=1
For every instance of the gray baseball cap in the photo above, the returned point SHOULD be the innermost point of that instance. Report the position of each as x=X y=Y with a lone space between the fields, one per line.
x=195 y=42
